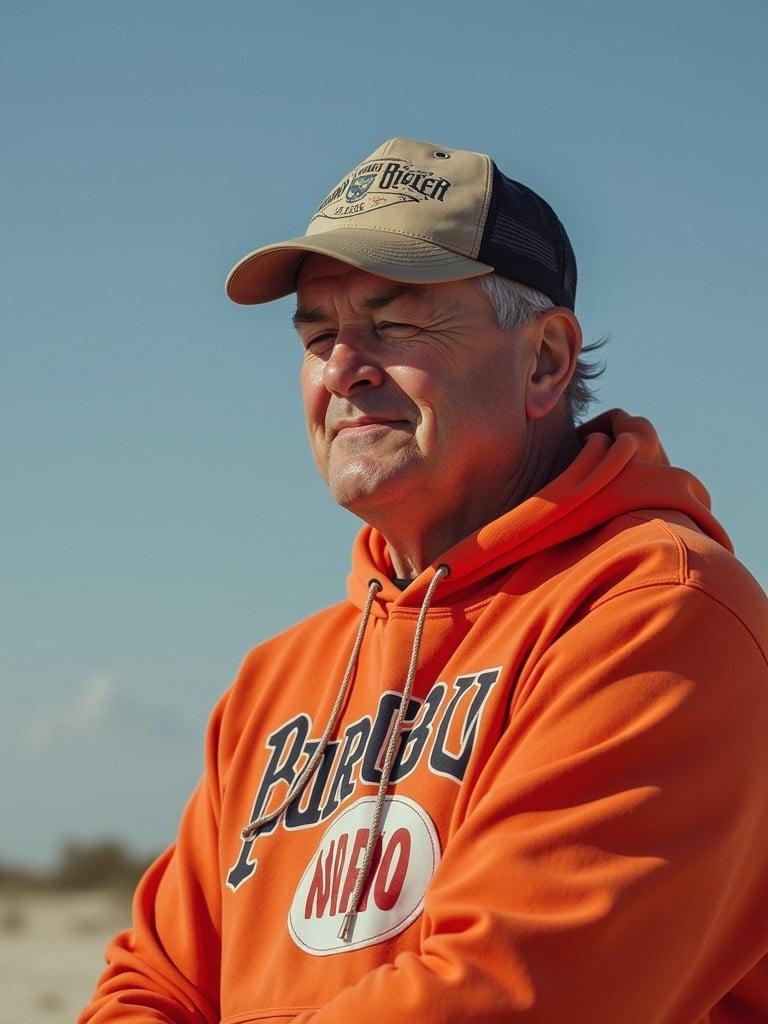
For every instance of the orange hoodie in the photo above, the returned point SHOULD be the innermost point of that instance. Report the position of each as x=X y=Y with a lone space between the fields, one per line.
x=576 y=825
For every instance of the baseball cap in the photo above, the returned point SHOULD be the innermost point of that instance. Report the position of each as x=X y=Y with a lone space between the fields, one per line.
x=421 y=213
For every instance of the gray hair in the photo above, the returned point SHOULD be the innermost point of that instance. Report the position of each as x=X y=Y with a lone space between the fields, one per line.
x=516 y=304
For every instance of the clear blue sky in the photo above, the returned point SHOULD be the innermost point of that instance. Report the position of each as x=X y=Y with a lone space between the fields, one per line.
x=159 y=511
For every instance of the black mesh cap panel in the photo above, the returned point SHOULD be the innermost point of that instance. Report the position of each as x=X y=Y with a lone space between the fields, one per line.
x=524 y=241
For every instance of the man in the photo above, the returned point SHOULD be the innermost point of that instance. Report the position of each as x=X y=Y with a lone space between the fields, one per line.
x=520 y=774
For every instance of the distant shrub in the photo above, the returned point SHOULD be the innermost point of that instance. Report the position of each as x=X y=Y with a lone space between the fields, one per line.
x=101 y=864
x=12 y=916
x=104 y=864
x=13 y=879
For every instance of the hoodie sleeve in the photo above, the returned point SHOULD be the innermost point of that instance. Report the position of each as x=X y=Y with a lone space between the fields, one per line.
x=166 y=969
x=613 y=857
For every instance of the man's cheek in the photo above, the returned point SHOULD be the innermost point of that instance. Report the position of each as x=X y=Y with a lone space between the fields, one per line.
x=319 y=448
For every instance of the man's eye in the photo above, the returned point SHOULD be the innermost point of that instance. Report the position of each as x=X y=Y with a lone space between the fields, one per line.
x=398 y=329
x=320 y=341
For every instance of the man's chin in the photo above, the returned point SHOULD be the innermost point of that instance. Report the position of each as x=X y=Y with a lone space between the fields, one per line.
x=362 y=489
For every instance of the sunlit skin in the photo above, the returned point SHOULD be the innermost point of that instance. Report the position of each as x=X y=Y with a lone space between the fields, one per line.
x=426 y=419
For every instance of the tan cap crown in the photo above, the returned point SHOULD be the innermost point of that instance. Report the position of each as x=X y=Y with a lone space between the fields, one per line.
x=411 y=211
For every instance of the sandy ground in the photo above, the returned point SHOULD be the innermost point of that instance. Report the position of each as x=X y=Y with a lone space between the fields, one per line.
x=52 y=952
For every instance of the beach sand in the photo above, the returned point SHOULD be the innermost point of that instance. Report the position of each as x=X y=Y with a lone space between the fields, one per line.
x=52 y=952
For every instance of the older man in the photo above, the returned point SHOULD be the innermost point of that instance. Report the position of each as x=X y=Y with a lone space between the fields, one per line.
x=521 y=773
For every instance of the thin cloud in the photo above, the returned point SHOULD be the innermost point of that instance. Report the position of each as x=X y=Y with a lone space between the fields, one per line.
x=86 y=713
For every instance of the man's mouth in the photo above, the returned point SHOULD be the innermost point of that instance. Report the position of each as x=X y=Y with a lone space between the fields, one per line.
x=365 y=424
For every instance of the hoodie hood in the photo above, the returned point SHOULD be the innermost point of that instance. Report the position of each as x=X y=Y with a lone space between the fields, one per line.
x=622 y=467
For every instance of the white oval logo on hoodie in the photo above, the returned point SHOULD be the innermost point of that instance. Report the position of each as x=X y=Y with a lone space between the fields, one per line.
x=404 y=860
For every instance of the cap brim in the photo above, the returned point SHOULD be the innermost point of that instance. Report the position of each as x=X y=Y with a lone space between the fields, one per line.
x=270 y=272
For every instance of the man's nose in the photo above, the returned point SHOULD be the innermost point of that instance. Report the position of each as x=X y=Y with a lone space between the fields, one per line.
x=350 y=365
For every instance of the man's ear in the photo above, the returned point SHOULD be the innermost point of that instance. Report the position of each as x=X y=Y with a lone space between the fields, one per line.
x=556 y=343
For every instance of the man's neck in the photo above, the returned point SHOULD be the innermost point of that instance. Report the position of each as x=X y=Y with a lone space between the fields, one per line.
x=414 y=543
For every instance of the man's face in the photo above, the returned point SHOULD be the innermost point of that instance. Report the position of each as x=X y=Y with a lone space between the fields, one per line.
x=413 y=397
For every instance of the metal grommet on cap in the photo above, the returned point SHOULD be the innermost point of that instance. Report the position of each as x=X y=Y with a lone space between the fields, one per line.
x=440 y=154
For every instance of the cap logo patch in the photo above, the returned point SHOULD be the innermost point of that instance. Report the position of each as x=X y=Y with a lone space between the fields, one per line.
x=405 y=858
x=380 y=183
x=359 y=186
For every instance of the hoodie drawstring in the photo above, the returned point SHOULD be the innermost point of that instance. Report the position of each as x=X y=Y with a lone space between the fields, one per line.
x=252 y=829
x=386 y=771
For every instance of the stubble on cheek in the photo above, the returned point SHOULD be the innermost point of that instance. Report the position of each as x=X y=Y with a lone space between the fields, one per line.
x=314 y=415
x=320 y=452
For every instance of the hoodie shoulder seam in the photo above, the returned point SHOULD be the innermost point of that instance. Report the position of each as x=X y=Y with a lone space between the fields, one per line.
x=695 y=585
x=682 y=551
x=688 y=585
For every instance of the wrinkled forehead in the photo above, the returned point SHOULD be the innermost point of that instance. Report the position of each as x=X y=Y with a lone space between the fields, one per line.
x=324 y=283
x=319 y=274
x=315 y=265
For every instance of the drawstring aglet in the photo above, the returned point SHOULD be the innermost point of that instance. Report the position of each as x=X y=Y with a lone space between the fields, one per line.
x=250 y=832
x=345 y=932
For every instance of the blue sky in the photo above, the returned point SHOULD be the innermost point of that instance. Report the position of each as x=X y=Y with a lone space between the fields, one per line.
x=159 y=508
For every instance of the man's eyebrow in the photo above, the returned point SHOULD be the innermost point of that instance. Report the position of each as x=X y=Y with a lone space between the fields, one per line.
x=315 y=314
x=308 y=315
